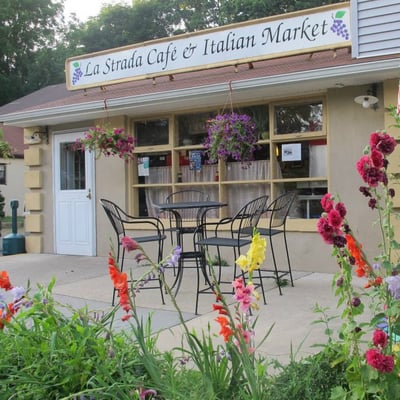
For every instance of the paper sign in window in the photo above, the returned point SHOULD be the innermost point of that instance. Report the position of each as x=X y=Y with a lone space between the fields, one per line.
x=143 y=166
x=291 y=152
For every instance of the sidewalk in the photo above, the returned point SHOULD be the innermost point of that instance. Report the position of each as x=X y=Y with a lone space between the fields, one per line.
x=84 y=281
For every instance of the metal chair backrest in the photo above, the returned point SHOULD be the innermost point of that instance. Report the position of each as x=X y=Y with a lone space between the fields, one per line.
x=189 y=215
x=278 y=210
x=247 y=218
x=114 y=215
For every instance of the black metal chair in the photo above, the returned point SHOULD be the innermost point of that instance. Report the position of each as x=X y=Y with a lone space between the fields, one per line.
x=277 y=213
x=235 y=233
x=121 y=222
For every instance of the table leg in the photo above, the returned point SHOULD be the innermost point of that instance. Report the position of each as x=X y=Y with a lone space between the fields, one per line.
x=179 y=241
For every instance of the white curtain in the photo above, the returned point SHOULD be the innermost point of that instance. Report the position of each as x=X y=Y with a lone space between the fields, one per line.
x=238 y=195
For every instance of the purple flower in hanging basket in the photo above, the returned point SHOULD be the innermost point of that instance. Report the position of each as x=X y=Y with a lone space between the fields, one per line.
x=231 y=135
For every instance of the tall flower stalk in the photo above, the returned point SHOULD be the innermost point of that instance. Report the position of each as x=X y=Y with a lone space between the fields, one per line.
x=232 y=369
x=372 y=373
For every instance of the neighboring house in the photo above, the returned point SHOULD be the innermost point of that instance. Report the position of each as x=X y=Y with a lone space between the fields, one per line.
x=12 y=170
x=301 y=96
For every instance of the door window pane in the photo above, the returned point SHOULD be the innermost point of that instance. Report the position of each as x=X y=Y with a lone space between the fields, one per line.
x=72 y=168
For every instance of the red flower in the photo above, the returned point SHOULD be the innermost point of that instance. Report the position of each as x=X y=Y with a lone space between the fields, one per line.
x=327 y=202
x=120 y=282
x=5 y=281
x=221 y=309
x=226 y=332
x=129 y=244
x=377 y=158
x=382 y=142
x=335 y=219
x=380 y=339
x=379 y=361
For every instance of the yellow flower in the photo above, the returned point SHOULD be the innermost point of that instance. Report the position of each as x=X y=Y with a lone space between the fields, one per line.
x=255 y=255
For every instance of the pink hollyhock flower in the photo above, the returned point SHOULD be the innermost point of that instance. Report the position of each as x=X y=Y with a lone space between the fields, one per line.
x=363 y=164
x=335 y=219
x=379 y=361
x=382 y=142
x=327 y=202
x=341 y=209
x=380 y=338
x=377 y=158
x=129 y=244
x=325 y=230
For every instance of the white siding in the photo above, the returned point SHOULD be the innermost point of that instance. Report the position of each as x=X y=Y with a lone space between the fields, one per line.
x=375 y=27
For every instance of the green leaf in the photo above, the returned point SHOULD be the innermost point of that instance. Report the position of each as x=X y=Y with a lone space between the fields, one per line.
x=340 y=14
x=338 y=393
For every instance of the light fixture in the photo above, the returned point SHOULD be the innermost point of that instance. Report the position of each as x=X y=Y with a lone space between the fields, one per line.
x=42 y=135
x=369 y=100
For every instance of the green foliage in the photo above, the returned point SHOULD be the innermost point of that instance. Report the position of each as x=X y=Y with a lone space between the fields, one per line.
x=6 y=150
x=311 y=378
x=51 y=352
x=25 y=26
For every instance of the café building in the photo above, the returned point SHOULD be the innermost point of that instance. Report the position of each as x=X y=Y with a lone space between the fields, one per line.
x=316 y=82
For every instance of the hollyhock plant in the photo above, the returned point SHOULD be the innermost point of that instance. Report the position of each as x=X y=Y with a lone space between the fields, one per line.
x=231 y=135
x=382 y=280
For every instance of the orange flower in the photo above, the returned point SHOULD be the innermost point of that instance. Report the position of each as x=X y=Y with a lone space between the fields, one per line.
x=220 y=309
x=120 y=282
x=226 y=332
x=5 y=281
x=375 y=282
x=355 y=251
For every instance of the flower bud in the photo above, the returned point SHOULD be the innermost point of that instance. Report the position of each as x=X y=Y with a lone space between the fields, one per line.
x=355 y=302
x=339 y=282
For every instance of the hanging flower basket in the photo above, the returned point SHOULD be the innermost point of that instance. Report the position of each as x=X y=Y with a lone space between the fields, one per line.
x=231 y=135
x=107 y=142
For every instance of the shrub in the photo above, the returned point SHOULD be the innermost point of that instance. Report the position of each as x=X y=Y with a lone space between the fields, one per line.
x=310 y=378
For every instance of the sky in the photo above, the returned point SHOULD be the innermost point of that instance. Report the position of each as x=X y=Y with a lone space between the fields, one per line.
x=88 y=8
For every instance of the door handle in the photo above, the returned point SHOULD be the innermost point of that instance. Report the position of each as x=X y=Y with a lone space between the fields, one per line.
x=89 y=195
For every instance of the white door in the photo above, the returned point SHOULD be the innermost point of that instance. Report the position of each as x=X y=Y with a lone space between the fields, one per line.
x=74 y=197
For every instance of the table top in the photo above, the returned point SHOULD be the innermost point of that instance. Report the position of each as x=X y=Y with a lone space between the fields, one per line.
x=180 y=205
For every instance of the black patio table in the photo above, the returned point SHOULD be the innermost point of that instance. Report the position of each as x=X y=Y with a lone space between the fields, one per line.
x=175 y=208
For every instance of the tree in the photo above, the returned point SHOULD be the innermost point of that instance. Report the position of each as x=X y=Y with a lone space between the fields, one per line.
x=25 y=27
x=6 y=151
x=202 y=14
x=120 y=25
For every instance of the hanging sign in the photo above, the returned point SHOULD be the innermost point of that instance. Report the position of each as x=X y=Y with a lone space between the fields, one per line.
x=272 y=37
x=195 y=160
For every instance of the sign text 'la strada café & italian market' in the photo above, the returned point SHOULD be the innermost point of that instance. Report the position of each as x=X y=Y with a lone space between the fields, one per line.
x=319 y=29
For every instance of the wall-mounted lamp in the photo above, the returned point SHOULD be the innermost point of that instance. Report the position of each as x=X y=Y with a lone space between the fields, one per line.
x=40 y=136
x=369 y=100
